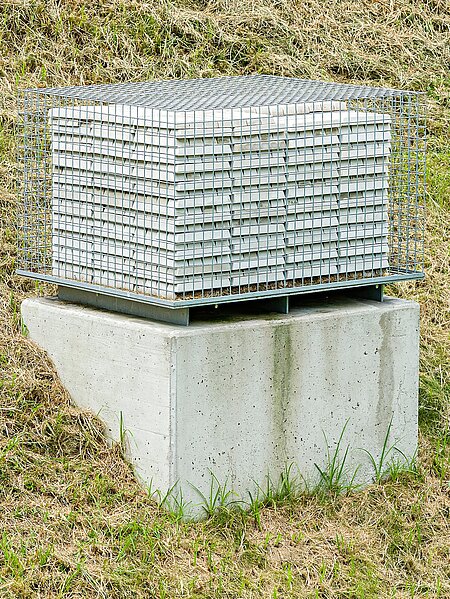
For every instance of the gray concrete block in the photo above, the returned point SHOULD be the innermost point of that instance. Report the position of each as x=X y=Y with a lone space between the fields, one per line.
x=242 y=398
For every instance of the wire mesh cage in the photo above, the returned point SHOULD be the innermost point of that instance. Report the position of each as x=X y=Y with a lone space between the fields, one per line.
x=187 y=192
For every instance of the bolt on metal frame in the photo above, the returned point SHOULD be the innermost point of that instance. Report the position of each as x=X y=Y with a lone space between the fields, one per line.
x=182 y=193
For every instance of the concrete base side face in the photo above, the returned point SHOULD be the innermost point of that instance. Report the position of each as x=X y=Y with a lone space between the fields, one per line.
x=117 y=367
x=261 y=396
x=236 y=402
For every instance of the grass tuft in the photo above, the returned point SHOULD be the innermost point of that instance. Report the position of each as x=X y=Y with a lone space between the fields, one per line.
x=334 y=476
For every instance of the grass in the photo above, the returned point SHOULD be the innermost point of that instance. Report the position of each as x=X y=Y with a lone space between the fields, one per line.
x=334 y=478
x=74 y=521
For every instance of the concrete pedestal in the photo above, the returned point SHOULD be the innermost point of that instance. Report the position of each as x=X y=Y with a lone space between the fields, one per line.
x=243 y=398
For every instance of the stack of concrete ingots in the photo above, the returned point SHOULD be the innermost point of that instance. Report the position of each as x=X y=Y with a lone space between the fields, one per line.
x=174 y=203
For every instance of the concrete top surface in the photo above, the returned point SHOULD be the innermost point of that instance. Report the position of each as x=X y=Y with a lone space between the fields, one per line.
x=311 y=310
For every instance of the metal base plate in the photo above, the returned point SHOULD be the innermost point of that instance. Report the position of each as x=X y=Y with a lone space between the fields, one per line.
x=125 y=306
x=182 y=316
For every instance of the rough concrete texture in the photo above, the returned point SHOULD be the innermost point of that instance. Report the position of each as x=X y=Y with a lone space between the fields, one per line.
x=244 y=398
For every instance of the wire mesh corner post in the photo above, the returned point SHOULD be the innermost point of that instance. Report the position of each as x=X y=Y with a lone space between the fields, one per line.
x=182 y=193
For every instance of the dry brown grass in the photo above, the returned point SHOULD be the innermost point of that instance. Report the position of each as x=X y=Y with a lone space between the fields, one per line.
x=74 y=522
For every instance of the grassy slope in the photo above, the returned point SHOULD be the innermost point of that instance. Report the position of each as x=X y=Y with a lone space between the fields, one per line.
x=74 y=523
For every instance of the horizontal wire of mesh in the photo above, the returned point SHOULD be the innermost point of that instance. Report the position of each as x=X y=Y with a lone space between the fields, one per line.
x=188 y=190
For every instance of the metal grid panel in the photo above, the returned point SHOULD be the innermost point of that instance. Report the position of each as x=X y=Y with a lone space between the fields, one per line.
x=188 y=192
